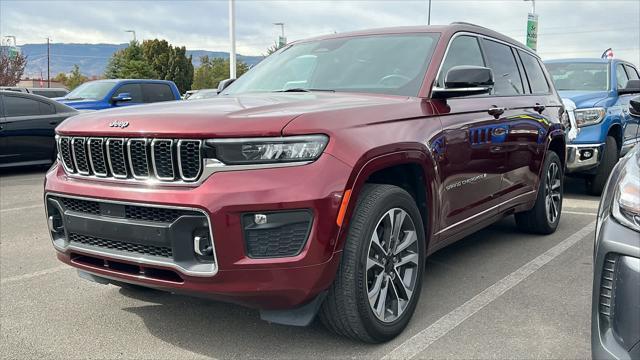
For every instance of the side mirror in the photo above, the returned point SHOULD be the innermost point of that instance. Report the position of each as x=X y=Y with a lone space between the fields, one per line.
x=633 y=87
x=122 y=97
x=465 y=80
x=224 y=84
x=634 y=106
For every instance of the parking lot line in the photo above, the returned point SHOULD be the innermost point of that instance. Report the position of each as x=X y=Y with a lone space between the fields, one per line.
x=21 y=208
x=423 y=339
x=35 y=274
x=579 y=213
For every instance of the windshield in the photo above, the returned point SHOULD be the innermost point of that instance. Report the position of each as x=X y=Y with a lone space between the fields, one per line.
x=387 y=64
x=204 y=94
x=580 y=76
x=92 y=90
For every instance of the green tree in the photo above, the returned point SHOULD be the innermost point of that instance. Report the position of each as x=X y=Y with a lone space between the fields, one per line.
x=212 y=71
x=129 y=63
x=153 y=59
x=75 y=78
x=12 y=64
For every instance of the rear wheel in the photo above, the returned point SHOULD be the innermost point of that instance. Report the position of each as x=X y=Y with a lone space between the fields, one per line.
x=545 y=215
x=379 y=280
x=595 y=183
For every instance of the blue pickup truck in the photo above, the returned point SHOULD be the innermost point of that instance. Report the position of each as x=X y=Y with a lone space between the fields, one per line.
x=105 y=94
x=601 y=90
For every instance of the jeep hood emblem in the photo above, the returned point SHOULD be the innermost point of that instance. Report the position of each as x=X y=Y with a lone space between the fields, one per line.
x=119 y=124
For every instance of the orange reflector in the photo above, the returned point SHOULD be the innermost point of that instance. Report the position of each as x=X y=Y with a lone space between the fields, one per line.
x=343 y=207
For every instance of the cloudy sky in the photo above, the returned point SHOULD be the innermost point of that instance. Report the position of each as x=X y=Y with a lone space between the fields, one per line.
x=567 y=28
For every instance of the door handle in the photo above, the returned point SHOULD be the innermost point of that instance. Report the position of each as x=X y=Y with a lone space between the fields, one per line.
x=496 y=111
x=539 y=108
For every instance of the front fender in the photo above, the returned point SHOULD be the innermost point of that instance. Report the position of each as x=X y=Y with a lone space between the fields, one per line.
x=597 y=134
x=364 y=168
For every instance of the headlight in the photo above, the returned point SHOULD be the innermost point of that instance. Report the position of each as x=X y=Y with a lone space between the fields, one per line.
x=586 y=117
x=269 y=150
x=626 y=204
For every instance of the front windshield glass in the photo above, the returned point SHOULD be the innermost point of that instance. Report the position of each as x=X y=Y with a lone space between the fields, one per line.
x=386 y=64
x=580 y=76
x=92 y=90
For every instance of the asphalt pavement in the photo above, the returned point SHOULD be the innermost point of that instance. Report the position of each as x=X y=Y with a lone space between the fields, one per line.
x=496 y=294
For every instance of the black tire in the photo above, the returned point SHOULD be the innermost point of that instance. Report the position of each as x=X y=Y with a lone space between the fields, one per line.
x=536 y=220
x=596 y=183
x=346 y=310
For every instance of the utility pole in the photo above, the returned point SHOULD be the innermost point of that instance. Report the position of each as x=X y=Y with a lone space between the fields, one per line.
x=429 y=14
x=48 y=63
x=232 y=39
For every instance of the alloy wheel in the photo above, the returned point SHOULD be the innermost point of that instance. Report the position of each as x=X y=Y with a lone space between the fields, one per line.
x=392 y=265
x=553 y=194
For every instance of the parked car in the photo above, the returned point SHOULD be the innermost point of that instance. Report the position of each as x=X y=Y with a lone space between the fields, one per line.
x=105 y=94
x=320 y=190
x=27 y=124
x=46 y=92
x=601 y=90
x=204 y=94
x=188 y=94
x=615 y=314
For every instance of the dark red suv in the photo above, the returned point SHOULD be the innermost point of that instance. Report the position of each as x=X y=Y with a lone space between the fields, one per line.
x=320 y=180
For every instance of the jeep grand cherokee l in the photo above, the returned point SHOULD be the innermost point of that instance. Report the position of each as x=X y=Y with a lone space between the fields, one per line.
x=320 y=180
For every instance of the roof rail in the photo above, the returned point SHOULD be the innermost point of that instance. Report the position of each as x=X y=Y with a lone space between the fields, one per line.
x=468 y=23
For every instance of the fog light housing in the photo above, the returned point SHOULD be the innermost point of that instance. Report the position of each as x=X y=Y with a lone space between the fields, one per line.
x=202 y=246
x=586 y=154
x=276 y=234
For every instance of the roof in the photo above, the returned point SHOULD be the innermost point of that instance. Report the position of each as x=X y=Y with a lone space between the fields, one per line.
x=450 y=29
x=578 y=60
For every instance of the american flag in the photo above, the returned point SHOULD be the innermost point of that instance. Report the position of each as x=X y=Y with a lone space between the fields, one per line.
x=607 y=54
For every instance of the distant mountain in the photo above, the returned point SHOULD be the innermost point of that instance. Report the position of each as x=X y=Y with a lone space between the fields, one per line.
x=93 y=58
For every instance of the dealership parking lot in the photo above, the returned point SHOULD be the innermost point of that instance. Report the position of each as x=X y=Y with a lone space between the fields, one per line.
x=496 y=294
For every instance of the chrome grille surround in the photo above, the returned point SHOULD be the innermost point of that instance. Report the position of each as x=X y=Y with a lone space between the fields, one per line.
x=133 y=159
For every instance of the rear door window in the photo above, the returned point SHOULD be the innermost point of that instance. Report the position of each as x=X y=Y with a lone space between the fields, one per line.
x=505 y=69
x=464 y=50
x=20 y=106
x=157 y=93
x=535 y=74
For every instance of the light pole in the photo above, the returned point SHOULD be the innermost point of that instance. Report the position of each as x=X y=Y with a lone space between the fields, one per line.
x=533 y=6
x=232 y=39
x=429 y=14
x=48 y=61
x=282 y=41
x=132 y=32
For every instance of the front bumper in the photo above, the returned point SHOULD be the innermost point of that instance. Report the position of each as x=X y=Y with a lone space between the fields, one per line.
x=224 y=198
x=615 y=329
x=583 y=157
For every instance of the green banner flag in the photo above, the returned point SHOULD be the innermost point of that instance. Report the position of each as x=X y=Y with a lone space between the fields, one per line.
x=532 y=31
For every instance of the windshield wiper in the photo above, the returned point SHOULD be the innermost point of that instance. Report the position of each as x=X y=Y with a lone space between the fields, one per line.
x=304 y=90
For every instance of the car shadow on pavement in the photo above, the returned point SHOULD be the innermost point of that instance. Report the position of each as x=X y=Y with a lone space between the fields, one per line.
x=225 y=330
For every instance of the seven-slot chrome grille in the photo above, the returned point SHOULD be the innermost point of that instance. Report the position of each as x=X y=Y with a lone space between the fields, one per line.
x=166 y=160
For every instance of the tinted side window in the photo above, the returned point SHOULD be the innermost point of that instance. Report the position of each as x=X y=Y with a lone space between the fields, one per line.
x=19 y=106
x=157 y=92
x=505 y=70
x=464 y=50
x=632 y=73
x=535 y=74
x=621 y=76
x=46 y=108
x=133 y=90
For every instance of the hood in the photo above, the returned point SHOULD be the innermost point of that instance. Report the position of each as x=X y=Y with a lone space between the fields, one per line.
x=584 y=99
x=263 y=114
x=81 y=104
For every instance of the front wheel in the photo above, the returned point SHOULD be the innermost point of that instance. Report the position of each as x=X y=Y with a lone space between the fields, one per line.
x=379 y=280
x=545 y=215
